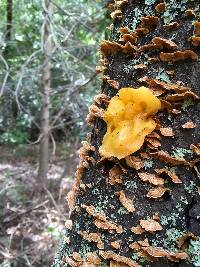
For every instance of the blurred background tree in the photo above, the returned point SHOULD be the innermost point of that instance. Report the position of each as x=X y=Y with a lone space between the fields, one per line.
x=72 y=29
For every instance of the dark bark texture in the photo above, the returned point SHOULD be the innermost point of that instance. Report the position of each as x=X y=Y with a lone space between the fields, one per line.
x=9 y=20
x=9 y=26
x=179 y=212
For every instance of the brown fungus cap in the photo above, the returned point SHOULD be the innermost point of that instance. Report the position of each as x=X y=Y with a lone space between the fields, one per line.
x=167 y=131
x=157 y=192
x=109 y=48
x=92 y=237
x=164 y=43
x=166 y=157
x=181 y=241
x=149 y=21
x=141 y=31
x=175 y=179
x=138 y=230
x=197 y=28
x=92 y=258
x=161 y=7
x=161 y=253
x=110 y=255
x=171 y=26
x=94 y=112
x=190 y=13
x=195 y=40
x=178 y=55
x=115 y=244
x=140 y=67
x=195 y=148
x=189 y=125
x=126 y=202
x=150 y=225
x=181 y=96
x=116 y=14
x=129 y=37
x=134 y=162
x=114 y=84
x=115 y=174
x=151 y=178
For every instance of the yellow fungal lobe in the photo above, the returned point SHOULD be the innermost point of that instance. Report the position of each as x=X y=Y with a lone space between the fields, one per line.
x=129 y=120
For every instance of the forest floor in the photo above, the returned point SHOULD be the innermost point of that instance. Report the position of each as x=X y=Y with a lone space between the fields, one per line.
x=31 y=223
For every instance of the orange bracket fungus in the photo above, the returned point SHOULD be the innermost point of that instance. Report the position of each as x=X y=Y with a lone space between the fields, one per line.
x=129 y=120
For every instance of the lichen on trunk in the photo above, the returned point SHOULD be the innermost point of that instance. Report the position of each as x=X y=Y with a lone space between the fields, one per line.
x=143 y=210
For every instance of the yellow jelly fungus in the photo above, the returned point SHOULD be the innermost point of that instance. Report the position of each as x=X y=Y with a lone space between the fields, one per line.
x=129 y=120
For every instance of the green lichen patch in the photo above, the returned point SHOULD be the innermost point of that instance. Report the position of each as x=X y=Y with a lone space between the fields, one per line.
x=163 y=76
x=150 y=2
x=171 y=238
x=194 y=252
x=131 y=185
x=122 y=211
x=133 y=18
x=180 y=152
x=148 y=163
x=85 y=248
x=170 y=219
x=190 y=187
x=173 y=9
x=140 y=259
x=187 y=103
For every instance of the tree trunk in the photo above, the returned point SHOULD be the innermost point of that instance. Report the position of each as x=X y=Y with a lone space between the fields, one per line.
x=9 y=26
x=143 y=210
x=9 y=20
x=45 y=91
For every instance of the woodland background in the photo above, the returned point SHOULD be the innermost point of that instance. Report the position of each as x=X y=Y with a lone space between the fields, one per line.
x=48 y=54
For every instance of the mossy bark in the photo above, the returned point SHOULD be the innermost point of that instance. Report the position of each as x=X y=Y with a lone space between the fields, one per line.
x=179 y=212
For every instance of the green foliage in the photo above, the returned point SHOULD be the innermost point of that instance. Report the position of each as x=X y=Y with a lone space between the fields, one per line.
x=8 y=263
x=18 y=134
x=15 y=136
x=16 y=193
x=77 y=28
x=54 y=231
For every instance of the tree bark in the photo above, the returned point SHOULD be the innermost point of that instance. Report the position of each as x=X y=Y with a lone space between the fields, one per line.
x=100 y=222
x=9 y=20
x=9 y=26
x=45 y=92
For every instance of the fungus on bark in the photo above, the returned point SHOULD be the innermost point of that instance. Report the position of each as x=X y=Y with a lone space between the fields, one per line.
x=128 y=119
x=148 y=48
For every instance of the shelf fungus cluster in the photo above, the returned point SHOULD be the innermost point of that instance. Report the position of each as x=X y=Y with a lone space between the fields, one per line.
x=84 y=162
x=124 y=212
x=195 y=39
